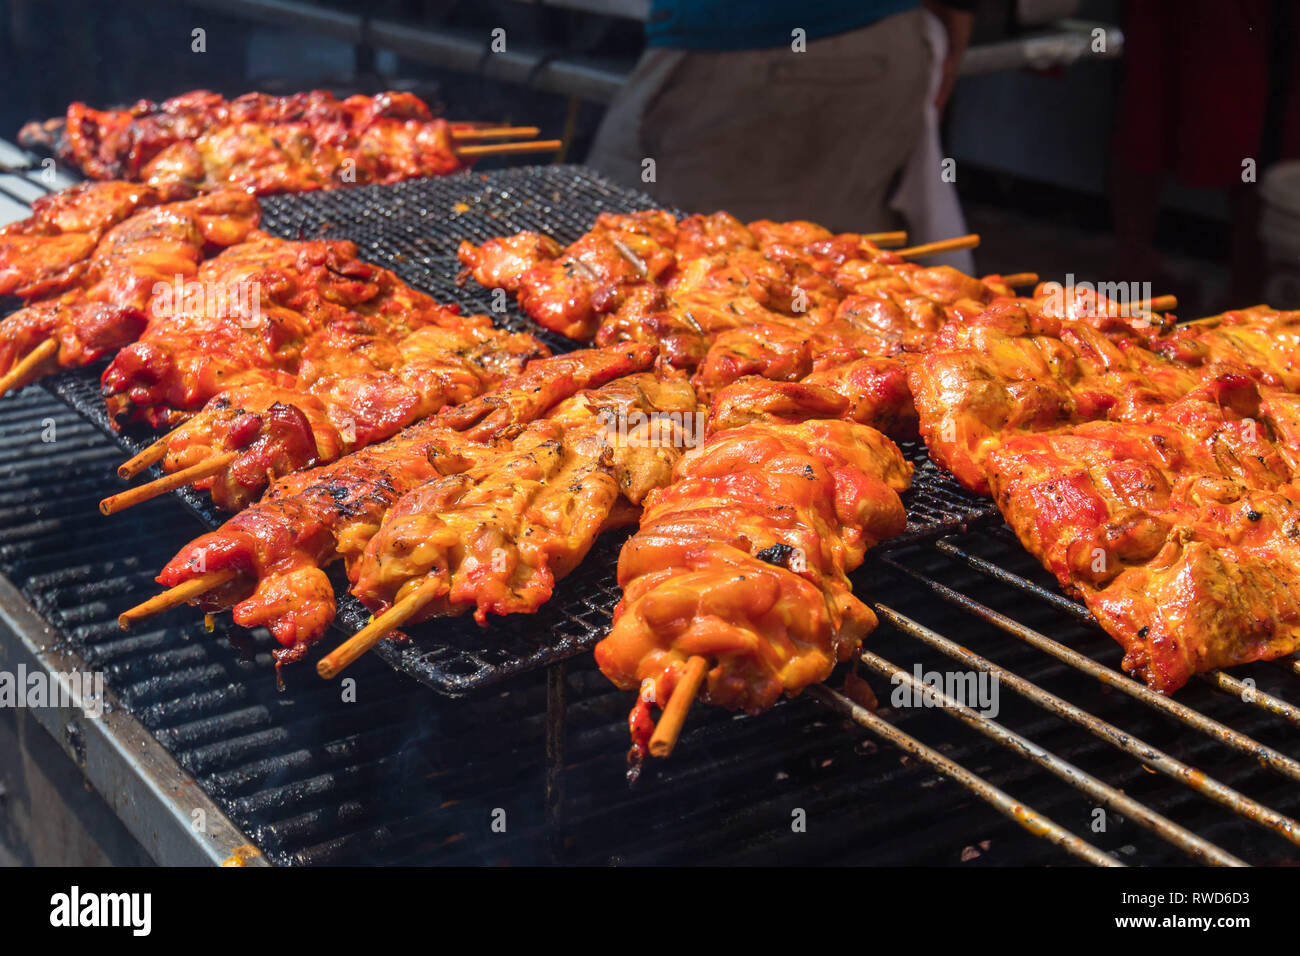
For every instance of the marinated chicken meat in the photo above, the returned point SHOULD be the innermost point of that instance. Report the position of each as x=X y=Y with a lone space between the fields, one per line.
x=45 y=253
x=496 y=538
x=743 y=559
x=111 y=303
x=1012 y=369
x=1179 y=533
x=307 y=520
x=259 y=143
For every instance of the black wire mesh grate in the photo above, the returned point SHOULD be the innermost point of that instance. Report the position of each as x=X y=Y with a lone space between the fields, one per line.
x=414 y=228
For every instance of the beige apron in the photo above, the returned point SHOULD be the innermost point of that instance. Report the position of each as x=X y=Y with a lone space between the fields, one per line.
x=772 y=133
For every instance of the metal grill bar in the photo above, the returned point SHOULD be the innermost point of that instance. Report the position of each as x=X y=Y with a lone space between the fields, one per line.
x=16 y=197
x=1123 y=740
x=1194 y=846
x=1001 y=801
x=1058 y=601
x=1112 y=678
x=1235 y=687
x=33 y=176
x=1219 y=680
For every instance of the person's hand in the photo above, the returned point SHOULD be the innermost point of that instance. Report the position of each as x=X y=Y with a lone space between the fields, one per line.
x=957 y=24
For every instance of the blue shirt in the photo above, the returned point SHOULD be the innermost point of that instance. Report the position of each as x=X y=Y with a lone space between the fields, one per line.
x=759 y=24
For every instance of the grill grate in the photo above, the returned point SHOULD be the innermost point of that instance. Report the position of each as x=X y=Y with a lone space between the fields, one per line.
x=414 y=228
x=403 y=777
x=1268 y=707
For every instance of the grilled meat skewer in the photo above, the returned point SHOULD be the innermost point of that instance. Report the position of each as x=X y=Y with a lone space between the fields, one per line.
x=111 y=303
x=1178 y=532
x=498 y=536
x=256 y=142
x=43 y=254
x=743 y=560
x=1013 y=369
x=309 y=519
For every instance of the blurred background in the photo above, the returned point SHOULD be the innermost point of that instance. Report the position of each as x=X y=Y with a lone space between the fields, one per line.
x=1118 y=160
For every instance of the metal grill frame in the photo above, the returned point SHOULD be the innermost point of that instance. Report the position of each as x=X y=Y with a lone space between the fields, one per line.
x=1196 y=847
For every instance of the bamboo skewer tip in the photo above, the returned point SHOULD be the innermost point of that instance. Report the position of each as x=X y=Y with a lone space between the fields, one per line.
x=887 y=240
x=154 y=452
x=969 y=241
x=669 y=728
x=143 y=459
x=333 y=663
x=175 y=597
x=505 y=149
x=134 y=496
x=495 y=132
x=1017 y=280
x=27 y=364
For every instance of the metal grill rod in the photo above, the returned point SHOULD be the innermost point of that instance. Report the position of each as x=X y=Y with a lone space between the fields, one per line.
x=39 y=183
x=1001 y=801
x=1148 y=754
x=1236 y=687
x=1112 y=678
x=16 y=197
x=1194 y=846
x=986 y=567
x=1219 y=680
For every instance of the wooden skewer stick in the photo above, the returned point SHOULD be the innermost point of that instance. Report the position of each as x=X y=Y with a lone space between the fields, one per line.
x=637 y=262
x=943 y=245
x=1020 y=279
x=380 y=627
x=1161 y=303
x=670 y=724
x=1218 y=319
x=152 y=454
x=887 y=240
x=28 y=364
x=186 y=476
x=147 y=456
x=495 y=132
x=175 y=597
x=496 y=149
